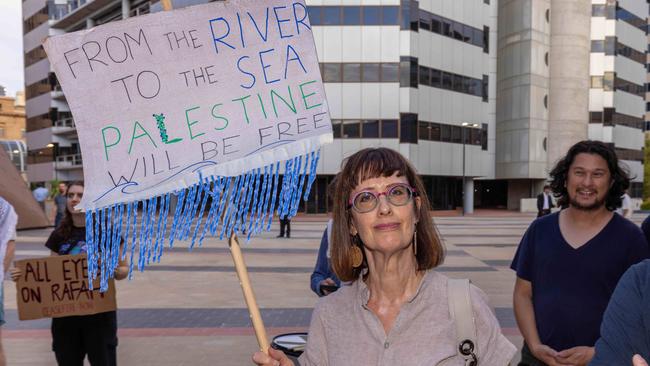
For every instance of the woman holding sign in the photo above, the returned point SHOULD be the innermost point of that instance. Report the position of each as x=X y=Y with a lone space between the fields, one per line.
x=397 y=309
x=74 y=337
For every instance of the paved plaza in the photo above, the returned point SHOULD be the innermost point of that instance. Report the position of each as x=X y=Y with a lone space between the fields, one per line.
x=189 y=309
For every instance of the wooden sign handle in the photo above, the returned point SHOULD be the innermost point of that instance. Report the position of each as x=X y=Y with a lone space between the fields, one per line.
x=244 y=281
x=242 y=272
x=166 y=4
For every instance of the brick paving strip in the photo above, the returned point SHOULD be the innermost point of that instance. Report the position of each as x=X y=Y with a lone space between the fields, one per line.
x=199 y=322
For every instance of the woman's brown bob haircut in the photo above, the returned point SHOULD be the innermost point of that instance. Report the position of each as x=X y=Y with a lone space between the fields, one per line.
x=372 y=163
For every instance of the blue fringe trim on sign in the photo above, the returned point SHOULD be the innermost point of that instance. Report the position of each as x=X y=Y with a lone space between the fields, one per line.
x=243 y=204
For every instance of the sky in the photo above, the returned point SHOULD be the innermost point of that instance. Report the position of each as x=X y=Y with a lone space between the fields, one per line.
x=11 y=46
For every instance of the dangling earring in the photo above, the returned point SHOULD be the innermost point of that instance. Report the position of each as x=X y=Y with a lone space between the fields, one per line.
x=415 y=241
x=356 y=256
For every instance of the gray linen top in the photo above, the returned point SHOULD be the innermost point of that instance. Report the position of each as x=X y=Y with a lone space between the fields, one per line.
x=344 y=331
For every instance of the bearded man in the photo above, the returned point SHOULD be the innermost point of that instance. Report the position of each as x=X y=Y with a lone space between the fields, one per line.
x=568 y=263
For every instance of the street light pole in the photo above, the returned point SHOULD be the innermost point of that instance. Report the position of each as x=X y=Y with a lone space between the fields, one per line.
x=463 y=128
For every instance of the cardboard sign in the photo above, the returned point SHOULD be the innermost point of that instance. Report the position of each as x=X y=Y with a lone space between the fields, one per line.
x=57 y=286
x=221 y=88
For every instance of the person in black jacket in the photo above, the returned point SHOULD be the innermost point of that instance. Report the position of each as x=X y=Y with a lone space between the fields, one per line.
x=544 y=202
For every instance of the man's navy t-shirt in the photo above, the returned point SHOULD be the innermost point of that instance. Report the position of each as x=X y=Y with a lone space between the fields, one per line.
x=571 y=287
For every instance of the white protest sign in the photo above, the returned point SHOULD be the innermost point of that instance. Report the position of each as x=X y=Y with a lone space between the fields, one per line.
x=223 y=88
x=201 y=104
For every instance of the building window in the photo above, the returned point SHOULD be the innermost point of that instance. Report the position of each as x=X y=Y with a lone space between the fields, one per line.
x=408 y=128
x=331 y=15
x=629 y=87
x=435 y=77
x=389 y=128
x=626 y=16
x=332 y=73
x=484 y=137
x=37 y=156
x=370 y=129
x=408 y=68
x=436 y=25
x=336 y=128
x=425 y=20
x=371 y=15
x=596 y=117
x=610 y=46
x=424 y=131
x=598 y=46
x=390 y=15
x=370 y=72
x=38 y=88
x=315 y=15
x=596 y=82
x=598 y=10
x=35 y=55
x=629 y=52
x=389 y=72
x=486 y=39
x=434 y=134
x=485 y=88
x=445 y=133
x=35 y=20
x=425 y=79
x=351 y=72
x=351 y=15
x=608 y=81
x=356 y=72
x=351 y=129
x=410 y=15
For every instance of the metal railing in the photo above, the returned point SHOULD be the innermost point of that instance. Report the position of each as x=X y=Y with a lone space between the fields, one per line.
x=60 y=11
x=69 y=160
x=65 y=122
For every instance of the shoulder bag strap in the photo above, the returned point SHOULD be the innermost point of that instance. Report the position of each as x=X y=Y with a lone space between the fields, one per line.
x=460 y=308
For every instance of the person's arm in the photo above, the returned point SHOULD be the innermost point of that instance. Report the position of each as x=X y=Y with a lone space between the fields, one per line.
x=623 y=332
x=9 y=254
x=525 y=315
x=321 y=269
x=122 y=269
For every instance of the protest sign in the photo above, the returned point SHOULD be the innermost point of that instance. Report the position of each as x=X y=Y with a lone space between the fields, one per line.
x=199 y=102
x=57 y=286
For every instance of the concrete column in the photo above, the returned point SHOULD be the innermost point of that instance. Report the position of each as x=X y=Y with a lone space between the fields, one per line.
x=568 y=99
x=126 y=8
x=468 y=195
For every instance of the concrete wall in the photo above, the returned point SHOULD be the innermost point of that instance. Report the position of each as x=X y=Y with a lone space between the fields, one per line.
x=569 y=75
x=522 y=86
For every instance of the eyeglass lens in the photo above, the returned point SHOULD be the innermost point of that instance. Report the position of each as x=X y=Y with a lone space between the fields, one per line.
x=398 y=195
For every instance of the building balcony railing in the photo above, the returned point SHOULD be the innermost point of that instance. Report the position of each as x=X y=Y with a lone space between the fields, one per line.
x=59 y=11
x=65 y=122
x=64 y=126
x=71 y=161
x=75 y=11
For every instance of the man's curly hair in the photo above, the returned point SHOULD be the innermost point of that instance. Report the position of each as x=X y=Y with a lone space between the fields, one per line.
x=620 y=180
